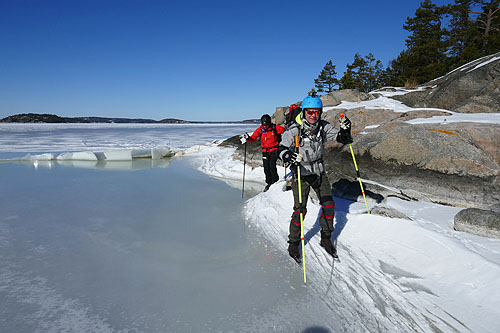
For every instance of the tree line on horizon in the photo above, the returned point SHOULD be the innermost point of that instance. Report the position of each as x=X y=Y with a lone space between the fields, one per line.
x=441 y=39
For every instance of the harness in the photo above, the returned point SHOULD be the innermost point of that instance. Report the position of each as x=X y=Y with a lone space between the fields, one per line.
x=316 y=134
x=304 y=134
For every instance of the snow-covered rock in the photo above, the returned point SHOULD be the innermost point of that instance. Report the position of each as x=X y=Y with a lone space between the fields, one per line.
x=471 y=88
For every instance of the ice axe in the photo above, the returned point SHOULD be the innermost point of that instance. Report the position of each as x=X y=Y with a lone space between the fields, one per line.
x=357 y=172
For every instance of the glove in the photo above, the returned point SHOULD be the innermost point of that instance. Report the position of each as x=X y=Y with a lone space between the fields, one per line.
x=293 y=158
x=243 y=138
x=344 y=135
x=345 y=124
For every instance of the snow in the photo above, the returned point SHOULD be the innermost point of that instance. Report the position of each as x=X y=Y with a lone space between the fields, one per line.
x=396 y=91
x=379 y=103
x=397 y=106
x=455 y=117
x=410 y=275
x=483 y=63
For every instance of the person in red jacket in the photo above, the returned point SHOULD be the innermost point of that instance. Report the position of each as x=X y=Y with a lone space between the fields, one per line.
x=269 y=135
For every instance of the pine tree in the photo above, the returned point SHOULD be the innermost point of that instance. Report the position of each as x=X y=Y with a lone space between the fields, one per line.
x=425 y=56
x=374 y=70
x=327 y=79
x=364 y=74
x=489 y=22
x=397 y=70
x=347 y=80
x=463 y=34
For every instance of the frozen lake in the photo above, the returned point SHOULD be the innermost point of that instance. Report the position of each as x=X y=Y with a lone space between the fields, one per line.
x=146 y=246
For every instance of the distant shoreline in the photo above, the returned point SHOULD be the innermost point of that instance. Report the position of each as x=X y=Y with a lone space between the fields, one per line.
x=32 y=118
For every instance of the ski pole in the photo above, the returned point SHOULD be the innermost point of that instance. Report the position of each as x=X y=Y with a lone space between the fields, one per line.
x=301 y=211
x=357 y=171
x=244 y=163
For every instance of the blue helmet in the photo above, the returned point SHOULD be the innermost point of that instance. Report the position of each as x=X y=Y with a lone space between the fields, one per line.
x=311 y=102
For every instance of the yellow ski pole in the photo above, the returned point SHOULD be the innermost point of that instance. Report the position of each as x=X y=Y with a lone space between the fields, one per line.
x=357 y=172
x=300 y=212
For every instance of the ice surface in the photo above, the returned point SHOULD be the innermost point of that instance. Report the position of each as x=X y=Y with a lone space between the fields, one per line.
x=80 y=156
x=155 y=250
x=49 y=138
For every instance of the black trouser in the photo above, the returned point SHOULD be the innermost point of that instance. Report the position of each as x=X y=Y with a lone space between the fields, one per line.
x=321 y=186
x=269 y=160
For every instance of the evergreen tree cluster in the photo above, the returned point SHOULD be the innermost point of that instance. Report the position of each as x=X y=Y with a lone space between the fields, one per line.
x=441 y=39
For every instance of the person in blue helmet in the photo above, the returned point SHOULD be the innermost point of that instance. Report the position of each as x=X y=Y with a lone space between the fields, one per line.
x=313 y=132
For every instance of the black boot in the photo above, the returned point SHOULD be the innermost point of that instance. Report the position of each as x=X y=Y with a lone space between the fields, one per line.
x=293 y=250
x=267 y=187
x=326 y=243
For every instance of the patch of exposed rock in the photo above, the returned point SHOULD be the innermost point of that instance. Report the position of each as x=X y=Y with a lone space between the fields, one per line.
x=471 y=88
x=388 y=212
x=361 y=117
x=455 y=164
x=479 y=222
x=253 y=150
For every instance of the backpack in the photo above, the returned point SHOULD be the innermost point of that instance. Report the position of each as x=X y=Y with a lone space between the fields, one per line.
x=278 y=136
x=293 y=112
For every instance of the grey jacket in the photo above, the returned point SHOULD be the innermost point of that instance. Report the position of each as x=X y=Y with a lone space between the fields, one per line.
x=310 y=144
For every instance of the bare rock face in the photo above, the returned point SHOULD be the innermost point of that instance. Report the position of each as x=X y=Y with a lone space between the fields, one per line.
x=455 y=164
x=388 y=212
x=471 y=88
x=479 y=222
x=279 y=116
x=253 y=153
x=349 y=95
x=362 y=117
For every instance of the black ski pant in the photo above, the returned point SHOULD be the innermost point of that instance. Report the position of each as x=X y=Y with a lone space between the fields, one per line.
x=323 y=189
x=269 y=160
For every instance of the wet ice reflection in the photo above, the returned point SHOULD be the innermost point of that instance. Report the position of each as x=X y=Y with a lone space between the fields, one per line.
x=161 y=248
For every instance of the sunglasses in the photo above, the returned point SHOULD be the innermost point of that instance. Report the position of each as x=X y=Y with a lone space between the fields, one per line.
x=312 y=113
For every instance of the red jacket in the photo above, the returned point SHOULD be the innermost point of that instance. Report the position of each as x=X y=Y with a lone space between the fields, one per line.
x=268 y=138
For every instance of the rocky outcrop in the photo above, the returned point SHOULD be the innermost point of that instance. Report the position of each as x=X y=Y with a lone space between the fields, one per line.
x=471 y=88
x=349 y=95
x=479 y=222
x=455 y=164
x=253 y=154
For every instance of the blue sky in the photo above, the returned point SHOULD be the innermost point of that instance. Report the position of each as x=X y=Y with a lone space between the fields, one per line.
x=194 y=60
